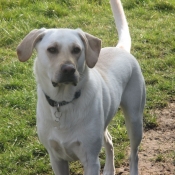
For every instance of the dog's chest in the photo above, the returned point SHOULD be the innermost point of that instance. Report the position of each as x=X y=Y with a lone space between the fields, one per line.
x=63 y=144
x=65 y=150
x=60 y=137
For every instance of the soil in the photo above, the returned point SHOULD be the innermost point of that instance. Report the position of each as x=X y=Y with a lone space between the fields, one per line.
x=157 y=150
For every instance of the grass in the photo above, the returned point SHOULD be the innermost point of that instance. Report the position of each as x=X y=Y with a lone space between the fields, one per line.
x=160 y=158
x=153 y=44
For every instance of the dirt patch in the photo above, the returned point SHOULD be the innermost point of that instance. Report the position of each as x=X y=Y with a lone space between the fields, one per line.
x=157 y=150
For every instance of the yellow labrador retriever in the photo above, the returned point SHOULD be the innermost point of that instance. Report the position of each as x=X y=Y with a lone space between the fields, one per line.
x=80 y=87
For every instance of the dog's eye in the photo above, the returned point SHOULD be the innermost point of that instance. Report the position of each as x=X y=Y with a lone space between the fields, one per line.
x=76 y=50
x=52 y=50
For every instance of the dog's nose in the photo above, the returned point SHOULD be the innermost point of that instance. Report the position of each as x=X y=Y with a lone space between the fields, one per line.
x=68 y=69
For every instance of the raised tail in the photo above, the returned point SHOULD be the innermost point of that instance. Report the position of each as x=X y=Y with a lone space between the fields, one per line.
x=121 y=25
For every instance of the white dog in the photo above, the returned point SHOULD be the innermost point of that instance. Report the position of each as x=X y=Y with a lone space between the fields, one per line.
x=80 y=87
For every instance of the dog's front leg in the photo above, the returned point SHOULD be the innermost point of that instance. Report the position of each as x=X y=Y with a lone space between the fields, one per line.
x=92 y=167
x=60 y=167
x=89 y=157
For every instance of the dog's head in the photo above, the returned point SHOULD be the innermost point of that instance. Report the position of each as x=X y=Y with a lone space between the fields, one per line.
x=63 y=53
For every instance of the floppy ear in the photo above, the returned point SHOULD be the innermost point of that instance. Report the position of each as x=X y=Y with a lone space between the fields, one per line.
x=92 y=50
x=25 y=48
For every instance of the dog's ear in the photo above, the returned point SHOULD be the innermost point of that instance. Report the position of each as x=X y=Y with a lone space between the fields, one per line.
x=25 y=48
x=92 y=48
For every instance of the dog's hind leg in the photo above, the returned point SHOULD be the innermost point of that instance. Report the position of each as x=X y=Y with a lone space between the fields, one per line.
x=133 y=101
x=109 y=168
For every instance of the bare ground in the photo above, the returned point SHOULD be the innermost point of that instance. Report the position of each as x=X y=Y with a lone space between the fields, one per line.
x=157 y=150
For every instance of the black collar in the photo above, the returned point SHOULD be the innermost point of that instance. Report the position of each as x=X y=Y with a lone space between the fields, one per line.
x=62 y=103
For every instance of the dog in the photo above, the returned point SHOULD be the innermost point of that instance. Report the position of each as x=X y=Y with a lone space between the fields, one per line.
x=80 y=86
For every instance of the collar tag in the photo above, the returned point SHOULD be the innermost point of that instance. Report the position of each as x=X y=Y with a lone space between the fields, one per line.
x=57 y=116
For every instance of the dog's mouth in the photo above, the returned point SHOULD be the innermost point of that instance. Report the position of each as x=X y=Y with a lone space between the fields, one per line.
x=66 y=80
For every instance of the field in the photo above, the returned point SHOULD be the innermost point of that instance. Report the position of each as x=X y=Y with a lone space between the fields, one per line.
x=152 y=30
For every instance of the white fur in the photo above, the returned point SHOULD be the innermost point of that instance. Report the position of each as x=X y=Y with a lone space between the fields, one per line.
x=115 y=80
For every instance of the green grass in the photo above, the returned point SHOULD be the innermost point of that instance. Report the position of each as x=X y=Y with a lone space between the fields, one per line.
x=160 y=158
x=153 y=44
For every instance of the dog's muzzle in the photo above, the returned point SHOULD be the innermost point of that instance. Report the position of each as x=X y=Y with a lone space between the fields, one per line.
x=67 y=75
